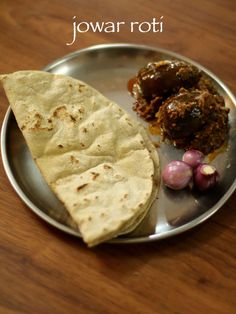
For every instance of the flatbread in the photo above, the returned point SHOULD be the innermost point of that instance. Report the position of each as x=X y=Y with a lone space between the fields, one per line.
x=94 y=156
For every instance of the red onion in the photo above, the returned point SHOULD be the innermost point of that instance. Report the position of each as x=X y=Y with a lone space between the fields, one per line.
x=205 y=177
x=193 y=157
x=177 y=175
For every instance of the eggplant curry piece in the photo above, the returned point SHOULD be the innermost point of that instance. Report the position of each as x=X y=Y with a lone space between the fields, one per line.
x=184 y=103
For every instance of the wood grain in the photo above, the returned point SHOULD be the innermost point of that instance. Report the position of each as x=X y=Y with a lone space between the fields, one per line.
x=43 y=270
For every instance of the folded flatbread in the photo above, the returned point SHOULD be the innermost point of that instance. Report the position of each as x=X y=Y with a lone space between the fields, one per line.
x=97 y=159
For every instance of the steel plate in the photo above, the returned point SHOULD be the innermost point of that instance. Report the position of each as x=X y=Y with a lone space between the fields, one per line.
x=108 y=68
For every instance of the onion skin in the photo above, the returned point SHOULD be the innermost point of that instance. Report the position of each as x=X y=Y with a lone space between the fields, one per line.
x=193 y=157
x=205 y=177
x=177 y=175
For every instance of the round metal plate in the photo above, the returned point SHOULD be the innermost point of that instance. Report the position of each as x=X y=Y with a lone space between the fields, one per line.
x=108 y=68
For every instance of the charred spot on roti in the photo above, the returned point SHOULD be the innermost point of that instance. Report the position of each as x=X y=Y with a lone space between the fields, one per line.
x=84 y=130
x=23 y=127
x=59 y=111
x=102 y=214
x=37 y=128
x=107 y=167
x=81 y=87
x=81 y=187
x=95 y=175
x=81 y=110
x=89 y=218
x=74 y=160
x=60 y=146
x=38 y=115
x=128 y=122
x=72 y=118
x=82 y=144
x=37 y=120
x=63 y=114
x=125 y=195
x=37 y=125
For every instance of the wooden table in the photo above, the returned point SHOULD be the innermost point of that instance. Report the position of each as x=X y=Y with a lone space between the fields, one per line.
x=43 y=270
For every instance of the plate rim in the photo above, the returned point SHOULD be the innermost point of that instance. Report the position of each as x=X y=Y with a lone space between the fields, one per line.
x=157 y=236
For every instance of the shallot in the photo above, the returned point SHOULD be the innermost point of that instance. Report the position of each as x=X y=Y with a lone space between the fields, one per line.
x=193 y=157
x=177 y=174
x=205 y=177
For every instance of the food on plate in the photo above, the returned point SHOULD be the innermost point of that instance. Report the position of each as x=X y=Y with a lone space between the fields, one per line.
x=193 y=157
x=177 y=175
x=191 y=171
x=178 y=98
x=205 y=177
x=99 y=161
x=158 y=80
x=194 y=119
